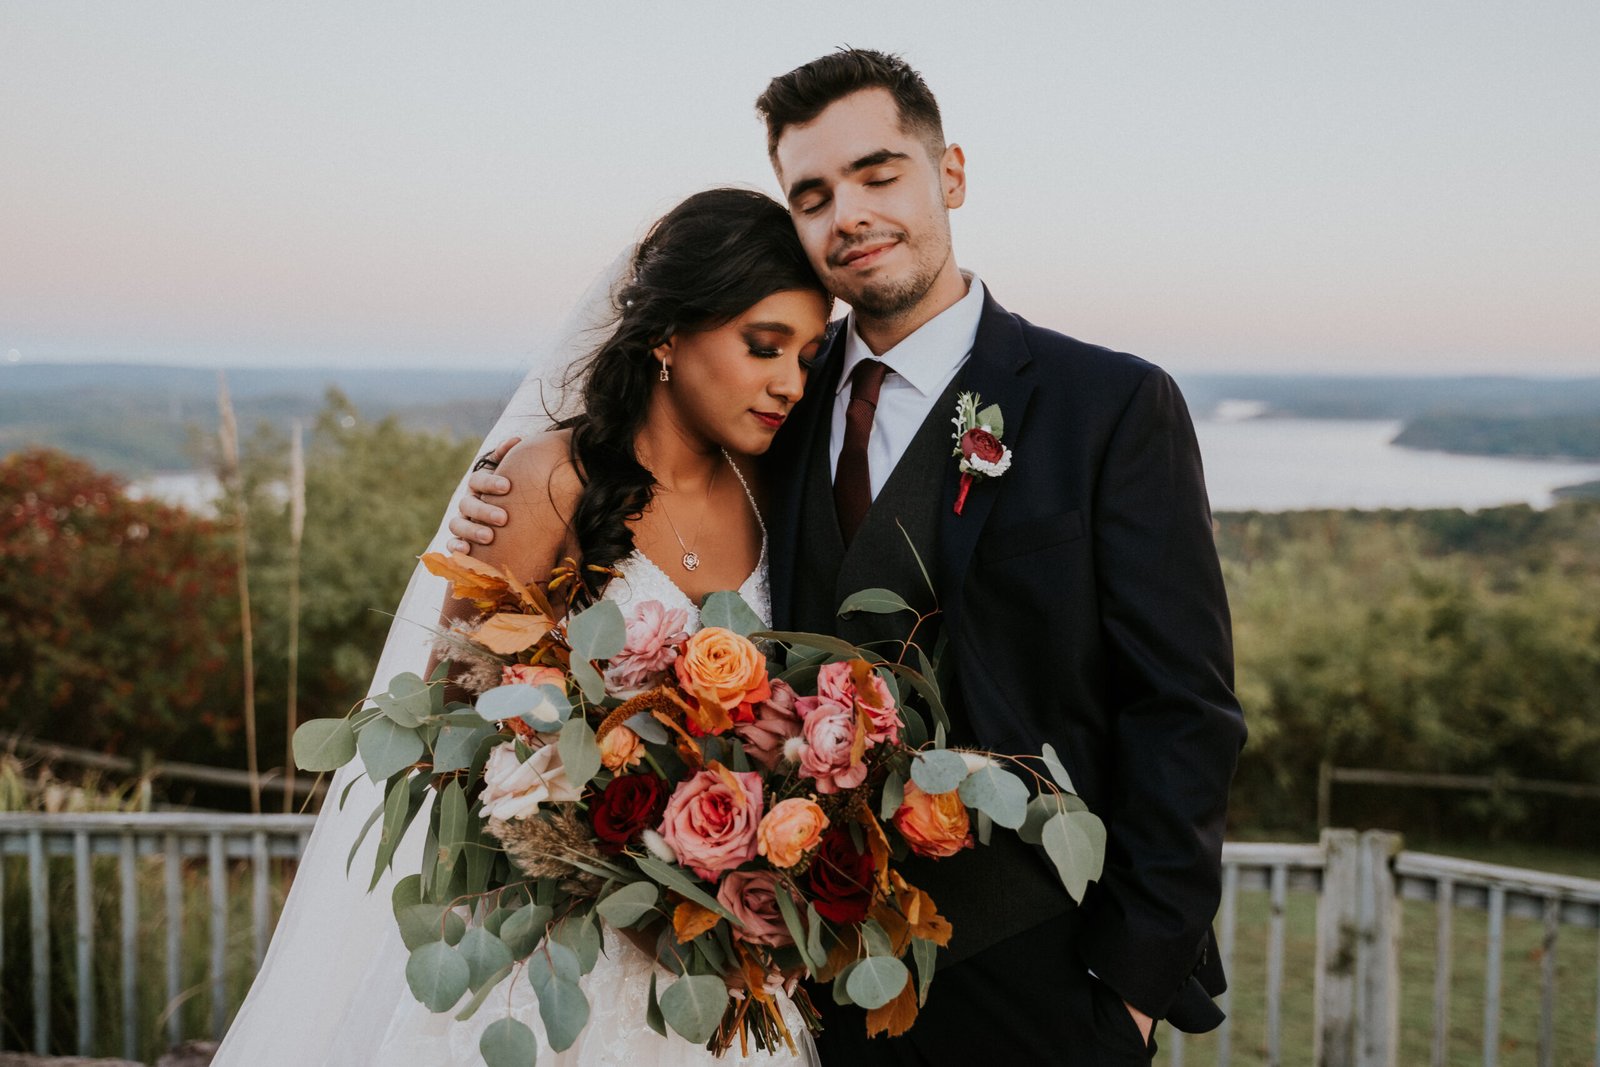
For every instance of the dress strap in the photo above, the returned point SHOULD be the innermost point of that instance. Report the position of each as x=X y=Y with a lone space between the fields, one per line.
x=748 y=495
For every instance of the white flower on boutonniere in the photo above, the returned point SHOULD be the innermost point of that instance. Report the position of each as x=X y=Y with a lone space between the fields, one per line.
x=978 y=433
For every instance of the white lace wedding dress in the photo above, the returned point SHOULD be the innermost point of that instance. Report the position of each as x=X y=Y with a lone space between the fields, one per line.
x=619 y=985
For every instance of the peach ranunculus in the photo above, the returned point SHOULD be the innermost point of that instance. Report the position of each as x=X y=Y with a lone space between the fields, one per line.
x=620 y=749
x=654 y=632
x=514 y=789
x=791 y=829
x=827 y=753
x=933 y=824
x=530 y=674
x=775 y=722
x=836 y=682
x=752 y=897
x=721 y=668
x=711 y=820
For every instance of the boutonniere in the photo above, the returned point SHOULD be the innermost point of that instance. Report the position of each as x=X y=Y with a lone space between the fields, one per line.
x=978 y=433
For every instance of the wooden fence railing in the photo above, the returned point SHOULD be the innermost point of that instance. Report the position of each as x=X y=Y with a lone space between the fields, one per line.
x=1356 y=882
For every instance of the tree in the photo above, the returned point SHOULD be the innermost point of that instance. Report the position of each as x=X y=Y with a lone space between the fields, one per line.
x=115 y=629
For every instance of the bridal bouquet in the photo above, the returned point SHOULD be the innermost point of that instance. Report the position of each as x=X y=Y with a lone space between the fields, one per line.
x=735 y=800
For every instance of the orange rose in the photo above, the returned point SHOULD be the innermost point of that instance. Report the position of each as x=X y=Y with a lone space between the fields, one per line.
x=791 y=829
x=933 y=824
x=724 y=671
x=620 y=748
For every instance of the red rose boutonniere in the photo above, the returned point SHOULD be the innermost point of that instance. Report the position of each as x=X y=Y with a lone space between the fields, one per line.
x=978 y=434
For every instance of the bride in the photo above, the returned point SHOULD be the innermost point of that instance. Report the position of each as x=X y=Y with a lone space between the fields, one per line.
x=712 y=330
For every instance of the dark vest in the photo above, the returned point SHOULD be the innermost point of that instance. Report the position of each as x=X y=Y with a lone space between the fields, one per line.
x=988 y=893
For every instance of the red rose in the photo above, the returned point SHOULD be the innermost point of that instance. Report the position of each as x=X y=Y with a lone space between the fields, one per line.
x=981 y=444
x=628 y=805
x=840 y=878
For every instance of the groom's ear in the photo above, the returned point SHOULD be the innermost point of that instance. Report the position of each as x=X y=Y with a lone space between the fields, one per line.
x=953 y=176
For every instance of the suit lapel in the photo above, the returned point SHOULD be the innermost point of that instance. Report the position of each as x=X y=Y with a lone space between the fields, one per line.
x=995 y=372
x=810 y=417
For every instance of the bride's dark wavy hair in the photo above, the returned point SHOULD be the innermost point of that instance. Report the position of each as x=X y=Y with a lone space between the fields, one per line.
x=702 y=264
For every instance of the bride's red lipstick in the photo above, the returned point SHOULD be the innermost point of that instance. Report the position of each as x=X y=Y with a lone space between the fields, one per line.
x=769 y=419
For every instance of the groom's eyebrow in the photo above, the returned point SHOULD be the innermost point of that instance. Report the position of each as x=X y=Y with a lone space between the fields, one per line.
x=874 y=159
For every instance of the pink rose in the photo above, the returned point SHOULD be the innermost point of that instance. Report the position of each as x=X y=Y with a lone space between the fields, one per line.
x=514 y=789
x=752 y=897
x=654 y=634
x=827 y=753
x=836 y=682
x=776 y=721
x=711 y=820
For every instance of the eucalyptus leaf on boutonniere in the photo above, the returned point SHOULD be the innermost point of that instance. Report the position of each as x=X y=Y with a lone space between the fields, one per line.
x=978 y=433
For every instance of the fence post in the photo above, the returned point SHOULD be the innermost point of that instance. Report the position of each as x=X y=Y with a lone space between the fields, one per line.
x=1338 y=910
x=1378 y=952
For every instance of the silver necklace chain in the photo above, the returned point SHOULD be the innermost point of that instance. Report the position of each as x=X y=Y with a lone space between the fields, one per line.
x=690 y=558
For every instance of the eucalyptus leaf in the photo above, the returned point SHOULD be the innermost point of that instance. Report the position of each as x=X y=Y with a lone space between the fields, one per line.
x=553 y=962
x=985 y=827
x=580 y=754
x=452 y=829
x=582 y=936
x=674 y=879
x=474 y=1002
x=508 y=1043
x=926 y=955
x=694 y=1006
x=629 y=904
x=875 y=602
x=997 y=793
x=422 y=923
x=437 y=975
x=876 y=939
x=1069 y=846
x=406 y=893
x=814 y=946
x=441 y=671
x=877 y=980
x=1057 y=769
x=820 y=642
x=648 y=728
x=396 y=805
x=387 y=748
x=841 y=983
x=1095 y=829
x=597 y=632
x=486 y=956
x=797 y=933
x=589 y=680
x=924 y=685
x=921 y=566
x=459 y=735
x=523 y=931
x=324 y=744
x=544 y=707
x=652 y=1010
x=728 y=610
x=565 y=1011
x=377 y=813
x=408 y=700
x=938 y=770
x=894 y=794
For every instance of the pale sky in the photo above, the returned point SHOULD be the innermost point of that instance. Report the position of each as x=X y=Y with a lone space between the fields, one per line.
x=1351 y=187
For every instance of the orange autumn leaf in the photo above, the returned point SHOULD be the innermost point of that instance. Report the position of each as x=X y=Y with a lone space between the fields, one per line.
x=922 y=917
x=731 y=782
x=861 y=674
x=507 y=633
x=709 y=716
x=842 y=954
x=894 y=925
x=895 y=1017
x=755 y=976
x=531 y=596
x=878 y=845
x=858 y=746
x=482 y=583
x=690 y=920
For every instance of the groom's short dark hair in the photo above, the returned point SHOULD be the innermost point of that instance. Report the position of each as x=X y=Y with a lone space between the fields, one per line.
x=806 y=91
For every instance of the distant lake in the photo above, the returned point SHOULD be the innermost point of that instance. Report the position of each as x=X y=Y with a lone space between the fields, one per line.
x=1294 y=464
x=1271 y=465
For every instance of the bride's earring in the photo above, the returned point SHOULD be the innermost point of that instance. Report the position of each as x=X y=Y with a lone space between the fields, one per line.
x=664 y=375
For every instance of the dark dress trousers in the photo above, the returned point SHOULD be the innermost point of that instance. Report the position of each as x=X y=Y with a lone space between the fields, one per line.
x=1083 y=607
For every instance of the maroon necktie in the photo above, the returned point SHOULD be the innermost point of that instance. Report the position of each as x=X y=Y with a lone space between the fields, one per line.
x=852 y=481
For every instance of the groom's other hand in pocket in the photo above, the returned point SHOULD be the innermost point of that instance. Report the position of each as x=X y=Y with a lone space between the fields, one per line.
x=476 y=518
x=1141 y=1020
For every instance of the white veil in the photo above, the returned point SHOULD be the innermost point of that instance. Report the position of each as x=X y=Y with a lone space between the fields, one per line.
x=335 y=970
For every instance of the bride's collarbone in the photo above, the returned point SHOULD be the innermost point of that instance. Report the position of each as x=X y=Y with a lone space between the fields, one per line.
x=725 y=548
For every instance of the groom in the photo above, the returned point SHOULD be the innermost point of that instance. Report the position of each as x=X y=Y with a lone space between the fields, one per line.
x=1078 y=592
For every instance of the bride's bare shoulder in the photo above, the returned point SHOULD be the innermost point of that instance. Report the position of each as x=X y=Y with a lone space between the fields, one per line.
x=541 y=472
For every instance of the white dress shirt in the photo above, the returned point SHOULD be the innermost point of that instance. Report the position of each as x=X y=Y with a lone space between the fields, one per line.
x=921 y=368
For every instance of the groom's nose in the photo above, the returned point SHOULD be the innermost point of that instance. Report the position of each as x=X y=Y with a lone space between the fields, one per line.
x=851 y=212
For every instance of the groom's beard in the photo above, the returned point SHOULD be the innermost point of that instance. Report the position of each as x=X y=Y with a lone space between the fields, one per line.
x=887 y=298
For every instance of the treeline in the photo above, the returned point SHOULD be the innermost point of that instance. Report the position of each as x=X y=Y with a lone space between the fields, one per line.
x=1570 y=436
x=1435 y=641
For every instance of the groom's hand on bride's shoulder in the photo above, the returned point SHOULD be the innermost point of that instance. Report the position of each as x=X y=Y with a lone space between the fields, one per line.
x=476 y=518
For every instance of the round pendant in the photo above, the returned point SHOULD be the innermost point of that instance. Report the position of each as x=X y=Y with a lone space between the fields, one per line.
x=690 y=561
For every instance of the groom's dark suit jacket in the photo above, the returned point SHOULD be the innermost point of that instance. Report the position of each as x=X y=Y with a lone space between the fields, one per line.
x=1084 y=607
